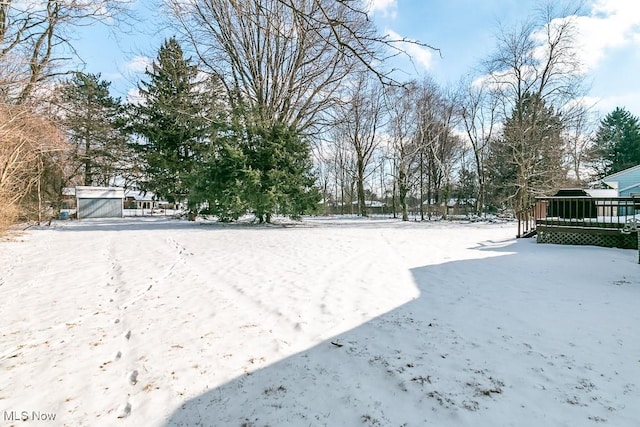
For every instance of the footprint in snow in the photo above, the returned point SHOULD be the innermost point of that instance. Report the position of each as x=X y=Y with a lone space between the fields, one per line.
x=124 y=410
x=133 y=377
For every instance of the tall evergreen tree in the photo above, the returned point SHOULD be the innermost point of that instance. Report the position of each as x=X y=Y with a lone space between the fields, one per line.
x=279 y=177
x=221 y=177
x=173 y=123
x=90 y=115
x=528 y=159
x=617 y=143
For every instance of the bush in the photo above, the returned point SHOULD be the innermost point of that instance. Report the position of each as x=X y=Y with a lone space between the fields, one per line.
x=29 y=144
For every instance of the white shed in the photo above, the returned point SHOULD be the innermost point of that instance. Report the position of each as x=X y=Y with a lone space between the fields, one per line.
x=99 y=202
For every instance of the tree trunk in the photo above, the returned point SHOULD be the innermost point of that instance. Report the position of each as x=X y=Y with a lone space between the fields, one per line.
x=39 y=195
x=421 y=187
x=481 y=183
x=403 y=194
x=362 y=206
x=429 y=196
x=88 y=179
x=446 y=201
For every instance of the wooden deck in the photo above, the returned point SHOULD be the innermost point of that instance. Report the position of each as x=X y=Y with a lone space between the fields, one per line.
x=580 y=220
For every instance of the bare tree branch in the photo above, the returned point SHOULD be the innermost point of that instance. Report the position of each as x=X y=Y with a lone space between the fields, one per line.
x=285 y=59
x=35 y=39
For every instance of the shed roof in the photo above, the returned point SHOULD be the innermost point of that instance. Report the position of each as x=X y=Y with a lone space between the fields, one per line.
x=85 y=192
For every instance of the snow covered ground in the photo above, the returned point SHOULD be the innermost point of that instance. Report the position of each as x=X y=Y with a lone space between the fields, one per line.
x=161 y=322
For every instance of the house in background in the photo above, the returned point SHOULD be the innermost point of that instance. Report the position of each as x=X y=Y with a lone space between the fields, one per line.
x=134 y=199
x=626 y=183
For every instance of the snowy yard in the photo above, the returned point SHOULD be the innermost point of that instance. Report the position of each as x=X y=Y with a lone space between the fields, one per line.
x=159 y=322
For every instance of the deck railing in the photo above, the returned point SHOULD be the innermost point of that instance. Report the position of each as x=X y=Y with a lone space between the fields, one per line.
x=598 y=221
x=527 y=220
x=608 y=213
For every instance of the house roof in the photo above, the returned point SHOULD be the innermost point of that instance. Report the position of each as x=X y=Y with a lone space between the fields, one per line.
x=618 y=174
x=140 y=195
x=602 y=192
x=631 y=187
x=624 y=181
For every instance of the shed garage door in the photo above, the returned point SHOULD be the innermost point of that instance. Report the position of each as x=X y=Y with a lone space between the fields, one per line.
x=99 y=208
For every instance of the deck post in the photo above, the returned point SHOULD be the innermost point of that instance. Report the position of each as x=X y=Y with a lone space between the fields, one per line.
x=631 y=226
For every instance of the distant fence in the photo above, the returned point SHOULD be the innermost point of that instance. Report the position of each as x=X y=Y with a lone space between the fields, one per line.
x=413 y=211
x=150 y=212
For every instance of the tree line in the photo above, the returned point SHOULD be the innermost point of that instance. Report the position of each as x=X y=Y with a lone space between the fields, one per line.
x=274 y=107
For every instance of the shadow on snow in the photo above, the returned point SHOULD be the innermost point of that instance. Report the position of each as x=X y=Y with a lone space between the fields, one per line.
x=495 y=341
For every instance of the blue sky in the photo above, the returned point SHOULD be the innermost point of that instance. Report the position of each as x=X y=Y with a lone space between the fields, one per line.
x=463 y=30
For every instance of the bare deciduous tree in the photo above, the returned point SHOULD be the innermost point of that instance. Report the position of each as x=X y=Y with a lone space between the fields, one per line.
x=27 y=140
x=284 y=59
x=439 y=147
x=478 y=112
x=342 y=166
x=402 y=107
x=357 y=36
x=358 y=121
x=36 y=38
x=537 y=61
x=274 y=62
x=579 y=131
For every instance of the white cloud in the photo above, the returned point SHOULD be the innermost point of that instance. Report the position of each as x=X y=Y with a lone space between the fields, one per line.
x=133 y=97
x=612 y=24
x=586 y=101
x=630 y=101
x=386 y=8
x=420 y=55
x=138 y=64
